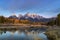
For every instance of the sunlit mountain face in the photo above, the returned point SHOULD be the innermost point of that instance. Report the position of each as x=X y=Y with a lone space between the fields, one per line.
x=27 y=15
x=32 y=17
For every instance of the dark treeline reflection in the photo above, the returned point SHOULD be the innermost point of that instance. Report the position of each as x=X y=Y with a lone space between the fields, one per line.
x=25 y=31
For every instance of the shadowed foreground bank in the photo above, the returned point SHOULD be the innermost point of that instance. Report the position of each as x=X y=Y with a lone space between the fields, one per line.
x=53 y=34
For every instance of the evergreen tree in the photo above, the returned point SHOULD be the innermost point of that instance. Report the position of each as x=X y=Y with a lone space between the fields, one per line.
x=58 y=19
x=2 y=19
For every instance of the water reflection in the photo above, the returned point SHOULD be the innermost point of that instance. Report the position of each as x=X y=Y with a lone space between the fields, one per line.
x=21 y=35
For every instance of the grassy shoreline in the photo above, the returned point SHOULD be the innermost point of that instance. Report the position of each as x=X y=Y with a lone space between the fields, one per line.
x=53 y=34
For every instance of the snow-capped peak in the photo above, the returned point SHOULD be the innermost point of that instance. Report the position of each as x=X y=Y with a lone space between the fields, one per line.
x=32 y=15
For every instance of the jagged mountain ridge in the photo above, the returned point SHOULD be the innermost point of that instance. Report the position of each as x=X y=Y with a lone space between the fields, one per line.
x=31 y=17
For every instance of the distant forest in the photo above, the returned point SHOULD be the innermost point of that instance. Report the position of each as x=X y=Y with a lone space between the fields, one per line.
x=4 y=20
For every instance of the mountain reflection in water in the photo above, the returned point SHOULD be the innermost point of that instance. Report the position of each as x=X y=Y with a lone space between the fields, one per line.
x=22 y=35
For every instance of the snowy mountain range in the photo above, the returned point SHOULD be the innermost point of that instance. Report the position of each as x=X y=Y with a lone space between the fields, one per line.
x=31 y=17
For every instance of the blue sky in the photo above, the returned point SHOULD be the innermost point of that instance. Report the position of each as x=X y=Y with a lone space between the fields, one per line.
x=46 y=8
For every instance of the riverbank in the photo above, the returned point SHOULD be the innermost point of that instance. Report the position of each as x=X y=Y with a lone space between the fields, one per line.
x=18 y=25
x=53 y=34
x=22 y=25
